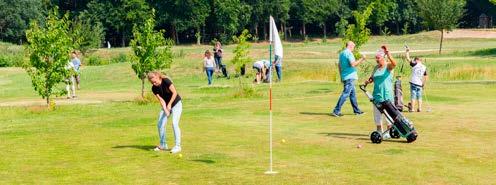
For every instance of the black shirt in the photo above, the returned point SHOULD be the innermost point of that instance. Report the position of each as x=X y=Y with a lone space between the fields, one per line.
x=164 y=91
x=218 y=53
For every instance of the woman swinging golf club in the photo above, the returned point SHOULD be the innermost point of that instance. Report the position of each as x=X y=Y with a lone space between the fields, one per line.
x=382 y=77
x=171 y=104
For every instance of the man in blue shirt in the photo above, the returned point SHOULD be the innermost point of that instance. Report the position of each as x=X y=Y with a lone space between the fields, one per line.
x=348 y=72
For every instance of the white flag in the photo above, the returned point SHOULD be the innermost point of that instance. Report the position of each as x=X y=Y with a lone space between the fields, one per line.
x=274 y=38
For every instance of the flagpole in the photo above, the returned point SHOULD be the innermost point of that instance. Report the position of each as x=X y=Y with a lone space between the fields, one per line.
x=270 y=172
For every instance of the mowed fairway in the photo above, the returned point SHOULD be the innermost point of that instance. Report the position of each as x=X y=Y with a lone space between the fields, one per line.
x=106 y=137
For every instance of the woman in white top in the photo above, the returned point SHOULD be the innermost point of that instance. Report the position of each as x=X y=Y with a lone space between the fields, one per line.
x=259 y=66
x=209 y=65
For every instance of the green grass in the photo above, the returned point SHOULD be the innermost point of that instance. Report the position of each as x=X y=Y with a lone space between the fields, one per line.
x=225 y=136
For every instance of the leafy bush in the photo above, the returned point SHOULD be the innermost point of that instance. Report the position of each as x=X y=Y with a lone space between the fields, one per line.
x=119 y=59
x=4 y=61
x=94 y=60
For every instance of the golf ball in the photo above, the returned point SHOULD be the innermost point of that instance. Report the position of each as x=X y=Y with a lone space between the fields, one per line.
x=283 y=141
x=180 y=156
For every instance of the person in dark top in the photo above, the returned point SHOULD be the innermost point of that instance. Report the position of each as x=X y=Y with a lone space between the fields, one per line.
x=171 y=104
x=218 y=53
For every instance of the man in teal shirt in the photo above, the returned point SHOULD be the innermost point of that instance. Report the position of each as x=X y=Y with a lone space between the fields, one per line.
x=348 y=72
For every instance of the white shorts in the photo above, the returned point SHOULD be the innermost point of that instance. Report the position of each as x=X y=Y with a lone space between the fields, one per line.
x=378 y=117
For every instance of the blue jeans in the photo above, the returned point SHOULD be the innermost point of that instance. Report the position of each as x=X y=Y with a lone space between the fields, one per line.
x=348 y=91
x=279 y=72
x=415 y=92
x=218 y=62
x=162 y=122
x=210 y=73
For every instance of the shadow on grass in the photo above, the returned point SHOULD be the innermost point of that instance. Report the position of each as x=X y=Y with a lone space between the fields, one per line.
x=141 y=147
x=388 y=140
x=340 y=135
x=315 y=113
x=207 y=161
x=322 y=114
x=484 y=52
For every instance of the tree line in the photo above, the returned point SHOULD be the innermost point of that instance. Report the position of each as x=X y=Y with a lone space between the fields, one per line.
x=201 y=21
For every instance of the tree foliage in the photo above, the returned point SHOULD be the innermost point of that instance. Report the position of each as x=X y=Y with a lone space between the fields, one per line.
x=15 y=16
x=241 y=51
x=86 y=34
x=148 y=56
x=359 y=33
x=441 y=15
x=49 y=47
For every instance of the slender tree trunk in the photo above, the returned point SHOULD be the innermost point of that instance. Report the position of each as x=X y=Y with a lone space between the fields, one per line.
x=265 y=31
x=174 y=34
x=198 y=38
x=441 y=42
x=397 y=28
x=283 y=27
x=325 y=32
x=142 y=87
x=304 y=32
x=123 y=40
x=256 y=30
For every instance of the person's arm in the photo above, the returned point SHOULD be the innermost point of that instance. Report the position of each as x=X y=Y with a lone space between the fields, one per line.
x=370 y=80
x=356 y=62
x=205 y=64
x=162 y=104
x=424 y=80
x=392 y=62
x=407 y=54
x=174 y=95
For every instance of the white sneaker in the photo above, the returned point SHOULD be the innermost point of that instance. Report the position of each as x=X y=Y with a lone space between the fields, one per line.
x=157 y=148
x=176 y=149
x=386 y=136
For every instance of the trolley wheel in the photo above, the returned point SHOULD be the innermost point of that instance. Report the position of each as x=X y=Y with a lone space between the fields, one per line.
x=394 y=133
x=412 y=137
x=376 y=137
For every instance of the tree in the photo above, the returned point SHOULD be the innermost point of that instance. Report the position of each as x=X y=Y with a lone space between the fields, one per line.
x=343 y=13
x=86 y=34
x=406 y=14
x=262 y=9
x=321 y=13
x=241 y=51
x=359 y=33
x=383 y=12
x=118 y=17
x=441 y=15
x=231 y=16
x=49 y=47
x=147 y=54
x=190 y=14
x=301 y=11
x=15 y=16
x=493 y=1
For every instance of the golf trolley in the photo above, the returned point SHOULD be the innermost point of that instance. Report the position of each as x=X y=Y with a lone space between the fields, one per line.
x=401 y=127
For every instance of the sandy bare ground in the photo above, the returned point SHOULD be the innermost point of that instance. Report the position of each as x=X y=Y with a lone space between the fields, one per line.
x=88 y=98
x=470 y=33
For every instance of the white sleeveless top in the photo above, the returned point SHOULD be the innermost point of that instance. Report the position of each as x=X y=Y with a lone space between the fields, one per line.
x=208 y=62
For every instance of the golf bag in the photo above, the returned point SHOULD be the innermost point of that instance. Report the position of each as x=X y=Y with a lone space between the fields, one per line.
x=402 y=127
x=398 y=95
x=224 y=70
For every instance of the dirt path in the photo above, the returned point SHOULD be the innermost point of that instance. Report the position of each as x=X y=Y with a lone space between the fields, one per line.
x=87 y=98
x=471 y=33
